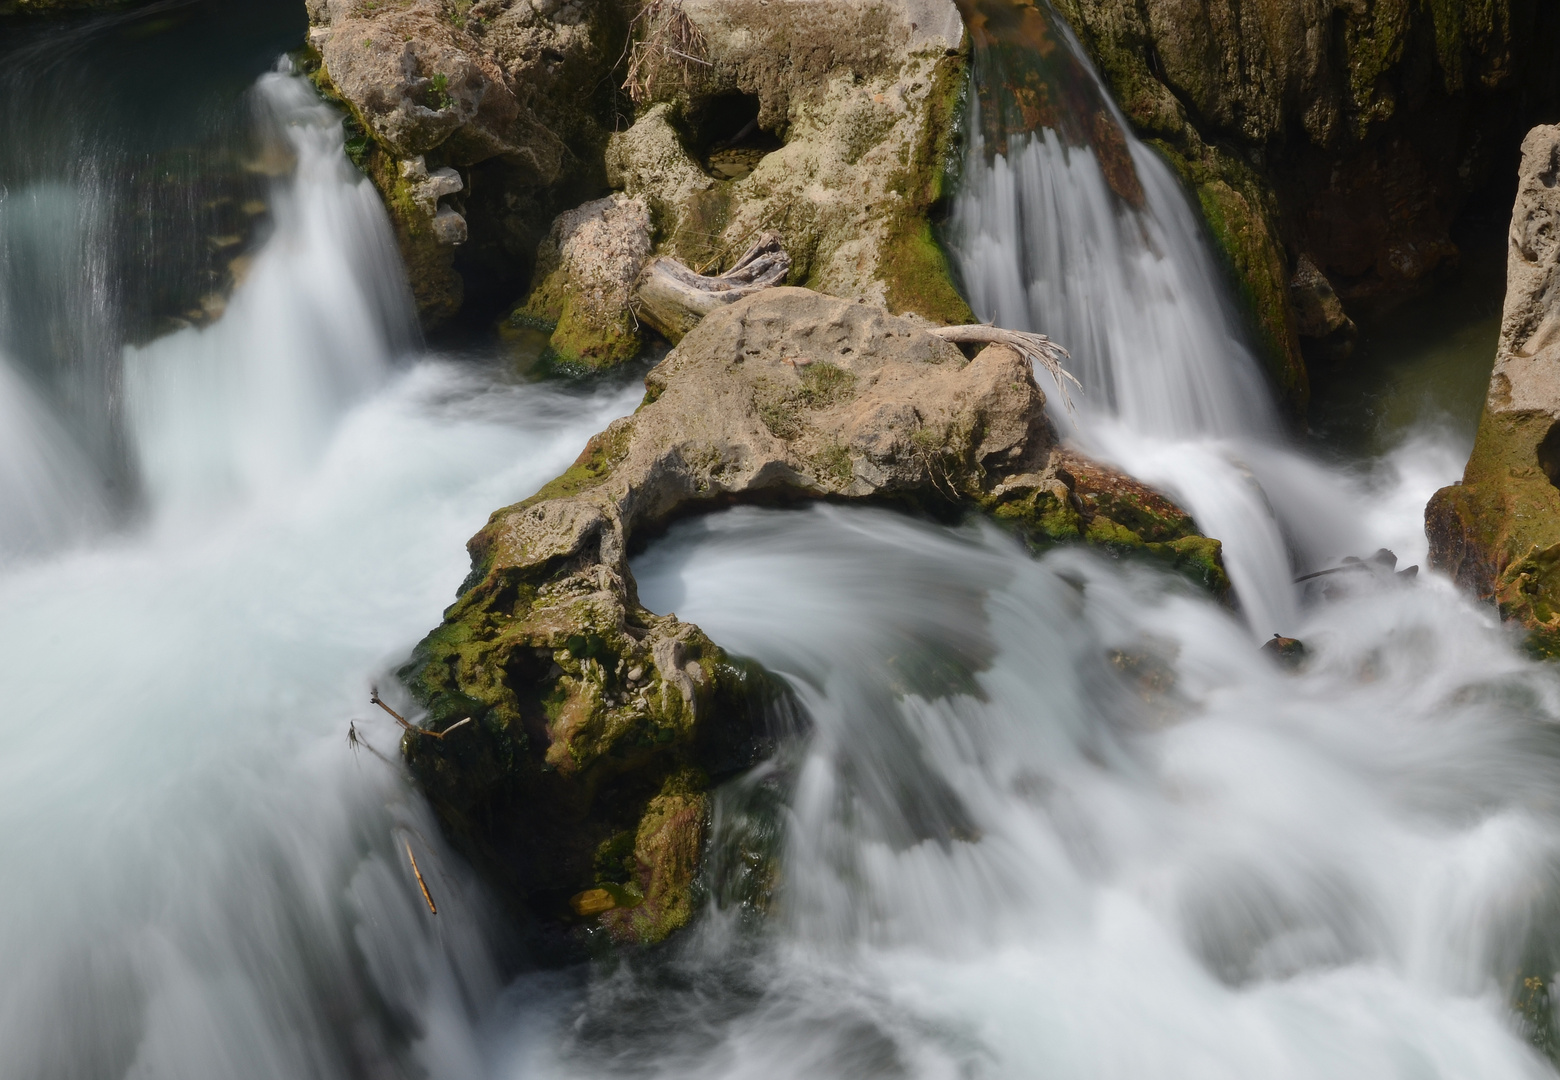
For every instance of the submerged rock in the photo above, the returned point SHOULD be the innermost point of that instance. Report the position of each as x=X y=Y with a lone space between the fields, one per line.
x=600 y=725
x=1498 y=531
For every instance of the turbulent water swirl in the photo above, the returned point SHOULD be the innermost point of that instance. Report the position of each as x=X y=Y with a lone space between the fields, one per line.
x=1051 y=817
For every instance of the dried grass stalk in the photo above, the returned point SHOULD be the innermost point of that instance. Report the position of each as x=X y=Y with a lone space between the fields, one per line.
x=664 y=38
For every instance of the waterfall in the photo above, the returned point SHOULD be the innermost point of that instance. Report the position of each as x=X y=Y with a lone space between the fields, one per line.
x=244 y=405
x=1067 y=224
x=1052 y=817
x=48 y=494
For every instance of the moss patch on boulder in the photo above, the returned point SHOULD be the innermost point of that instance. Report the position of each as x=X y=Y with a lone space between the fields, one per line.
x=598 y=725
x=1498 y=531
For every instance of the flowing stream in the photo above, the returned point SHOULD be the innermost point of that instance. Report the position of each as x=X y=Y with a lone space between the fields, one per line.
x=1050 y=817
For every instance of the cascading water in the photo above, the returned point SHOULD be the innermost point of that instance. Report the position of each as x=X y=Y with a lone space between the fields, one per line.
x=1049 y=817
x=320 y=313
x=1067 y=224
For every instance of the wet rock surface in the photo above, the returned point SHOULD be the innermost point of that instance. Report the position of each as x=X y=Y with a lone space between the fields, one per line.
x=1498 y=532
x=599 y=725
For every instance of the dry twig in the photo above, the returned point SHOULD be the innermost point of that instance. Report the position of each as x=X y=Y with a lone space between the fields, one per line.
x=373 y=697
x=1036 y=348
x=421 y=884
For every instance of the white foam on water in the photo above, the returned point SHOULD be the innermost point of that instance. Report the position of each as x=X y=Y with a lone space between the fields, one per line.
x=245 y=405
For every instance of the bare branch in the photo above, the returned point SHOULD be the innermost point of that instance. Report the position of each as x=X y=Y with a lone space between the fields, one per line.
x=1036 y=348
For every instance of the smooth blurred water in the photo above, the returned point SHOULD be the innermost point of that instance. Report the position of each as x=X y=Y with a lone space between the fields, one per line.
x=1172 y=391
x=1050 y=817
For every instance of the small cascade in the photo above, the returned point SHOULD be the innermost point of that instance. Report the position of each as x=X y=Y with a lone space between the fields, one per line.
x=242 y=406
x=1067 y=224
x=49 y=493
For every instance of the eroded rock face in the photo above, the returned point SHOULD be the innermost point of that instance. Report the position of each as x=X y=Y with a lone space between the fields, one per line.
x=849 y=108
x=1498 y=532
x=600 y=725
x=1349 y=132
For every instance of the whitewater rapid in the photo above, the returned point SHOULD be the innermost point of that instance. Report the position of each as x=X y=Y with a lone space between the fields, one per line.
x=1051 y=817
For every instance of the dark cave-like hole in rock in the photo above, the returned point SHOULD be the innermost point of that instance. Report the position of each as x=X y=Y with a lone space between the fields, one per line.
x=726 y=136
x=1549 y=453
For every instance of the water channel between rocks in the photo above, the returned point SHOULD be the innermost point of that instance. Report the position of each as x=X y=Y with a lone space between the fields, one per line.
x=1050 y=816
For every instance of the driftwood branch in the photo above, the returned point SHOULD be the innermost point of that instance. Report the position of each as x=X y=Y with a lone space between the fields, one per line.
x=1036 y=348
x=421 y=884
x=673 y=299
x=375 y=699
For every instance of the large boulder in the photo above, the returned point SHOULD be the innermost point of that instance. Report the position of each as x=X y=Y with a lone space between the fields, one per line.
x=1498 y=532
x=598 y=725
x=585 y=274
x=1352 y=132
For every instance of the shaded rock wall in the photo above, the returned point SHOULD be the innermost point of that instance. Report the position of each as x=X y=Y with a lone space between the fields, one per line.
x=517 y=97
x=1498 y=532
x=1350 y=133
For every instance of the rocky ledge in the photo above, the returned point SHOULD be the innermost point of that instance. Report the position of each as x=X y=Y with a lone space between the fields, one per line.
x=1498 y=532
x=598 y=726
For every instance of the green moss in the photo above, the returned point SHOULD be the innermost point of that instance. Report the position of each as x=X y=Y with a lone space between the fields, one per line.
x=914 y=267
x=1121 y=525
x=600 y=456
x=919 y=278
x=825 y=384
x=834 y=462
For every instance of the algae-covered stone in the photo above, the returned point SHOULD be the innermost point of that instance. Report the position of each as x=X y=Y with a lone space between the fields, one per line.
x=1498 y=532
x=598 y=725
x=585 y=274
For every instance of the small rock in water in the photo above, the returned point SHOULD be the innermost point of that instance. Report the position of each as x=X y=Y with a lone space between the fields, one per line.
x=592 y=902
x=1286 y=650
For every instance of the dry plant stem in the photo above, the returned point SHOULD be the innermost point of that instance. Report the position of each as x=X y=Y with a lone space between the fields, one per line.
x=667 y=32
x=1036 y=348
x=421 y=884
x=399 y=719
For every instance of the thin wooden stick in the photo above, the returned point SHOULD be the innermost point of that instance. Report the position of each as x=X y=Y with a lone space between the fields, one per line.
x=446 y=731
x=1036 y=348
x=373 y=697
x=399 y=719
x=421 y=884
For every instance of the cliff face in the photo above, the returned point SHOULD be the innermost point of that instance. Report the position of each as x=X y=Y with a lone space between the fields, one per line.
x=826 y=121
x=1498 y=532
x=1344 y=135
